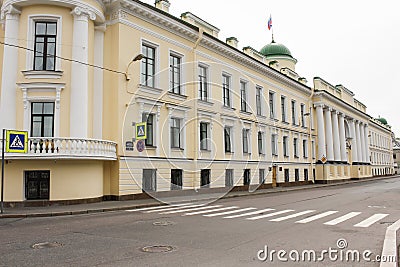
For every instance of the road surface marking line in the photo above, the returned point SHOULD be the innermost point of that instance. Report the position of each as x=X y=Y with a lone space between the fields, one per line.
x=174 y=208
x=291 y=216
x=192 y=209
x=390 y=244
x=269 y=215
x=208 y=211
x=248 y=214
x=159 y=207
x=343 y=218
x=316 y=217
x=371 y=220
x=228 y=212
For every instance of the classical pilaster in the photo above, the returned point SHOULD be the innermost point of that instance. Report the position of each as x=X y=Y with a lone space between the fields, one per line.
x=362 y=138
x=79 y=115
x=366 y=131
x=358 y=137
x=342 y=137
x=354 y=152
x=336 y=138
x=321 y=132
x=10 y=69
x=328 y=134
x=98 y=82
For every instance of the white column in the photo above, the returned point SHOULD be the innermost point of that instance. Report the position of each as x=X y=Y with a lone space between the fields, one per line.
x=358 y=137
x=354 y=152
x=362 y=138
x=321 y=132
x=79 y=115
x=328 y=135
x=366 y=131
x=10 y=68
x=98 y=82
x=336 y=138
x=342 y=137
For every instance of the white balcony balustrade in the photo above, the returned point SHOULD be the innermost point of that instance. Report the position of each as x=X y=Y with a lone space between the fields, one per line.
x=67 y=148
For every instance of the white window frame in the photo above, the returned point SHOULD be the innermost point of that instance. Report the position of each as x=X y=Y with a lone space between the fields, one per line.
x=272 y=113
x=247 y=131
x=274 y=144
x=229 y=76
x=180 y=120
x=246 y=95
x=285 y=145
x=156 y=47
x=207 y=70
x=261 y=104
x=181 y=72
x=284 y=109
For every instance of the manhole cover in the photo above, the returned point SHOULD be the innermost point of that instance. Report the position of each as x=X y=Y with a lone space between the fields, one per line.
x=47 y=245
x=163 y=223
x=157 y=249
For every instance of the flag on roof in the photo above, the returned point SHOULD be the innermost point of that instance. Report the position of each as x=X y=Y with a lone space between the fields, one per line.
x=270 y=23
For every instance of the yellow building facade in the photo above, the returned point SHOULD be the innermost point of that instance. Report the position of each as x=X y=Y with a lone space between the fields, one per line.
x=78 y=75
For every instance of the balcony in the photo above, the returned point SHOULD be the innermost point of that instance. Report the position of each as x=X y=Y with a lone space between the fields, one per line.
x=67 y=148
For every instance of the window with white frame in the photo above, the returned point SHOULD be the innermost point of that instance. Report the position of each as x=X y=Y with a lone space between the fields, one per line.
x=175 y=74
x=226 y=87
x=274 y=145
x=285 y=146
x=294 y=112
x=204 y=129
x=305 y=149
x=259 y=100
x=148 y=67
x=245 y=140
x=295 y=147
x=313 y=149
x=176 y=133
x=283 y=108
x=45 y=45
x=302 y=112
x=228 y=139
x=243 y=96
x=42 y=119
x=203 y=83
x=271 y=99
x=149 y=119
x=260 y=142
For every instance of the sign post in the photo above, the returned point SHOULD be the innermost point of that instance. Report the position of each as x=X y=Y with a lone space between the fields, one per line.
x=12 y=142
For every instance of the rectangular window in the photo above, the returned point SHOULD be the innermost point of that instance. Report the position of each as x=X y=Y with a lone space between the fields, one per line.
x=203 y=82
x=305 y=149
x=305 y=174
x=303 y=122
x=226 y=87
x=295 y=148
x=37 y=185
x=149 y=118
x=243 y=96
x=227 y=139
x=175 y=74
x=260 y=143
x=283 y=108
x=245 y=139
x=203 y=136
x=246 y=177
x=271 y=97
x=274 y=146
x=285 y=146
x=149 y=180
x=42 y=119
x=313 y=149
x=175 y=133
x=176 y=179
x=148 y=66
x=293 y=112
x=229 y=177
x=261 y=173
x=287 y=179
x=205 y=178
x=45 y=45
x=296 y=175
x=259 y=100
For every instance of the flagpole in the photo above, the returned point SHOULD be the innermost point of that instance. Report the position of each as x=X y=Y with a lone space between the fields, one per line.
x=2 y=172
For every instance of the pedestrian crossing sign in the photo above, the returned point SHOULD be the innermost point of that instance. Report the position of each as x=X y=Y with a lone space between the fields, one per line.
x=16 y=141
x=141 y=133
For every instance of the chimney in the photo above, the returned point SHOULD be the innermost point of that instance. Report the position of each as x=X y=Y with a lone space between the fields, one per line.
x=232 y=41
x=163 y=5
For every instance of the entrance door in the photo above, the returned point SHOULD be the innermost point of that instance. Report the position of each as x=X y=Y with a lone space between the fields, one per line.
x=274 y=174
x=37 y=185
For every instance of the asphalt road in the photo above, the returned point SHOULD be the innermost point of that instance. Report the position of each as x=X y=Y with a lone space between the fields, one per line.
x=298 y=223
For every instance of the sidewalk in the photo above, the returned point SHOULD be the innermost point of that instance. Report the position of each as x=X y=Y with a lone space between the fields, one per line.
x=108 y=206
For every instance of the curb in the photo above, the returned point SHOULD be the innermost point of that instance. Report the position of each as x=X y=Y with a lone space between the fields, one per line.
x=227 y=196
x=390 y=246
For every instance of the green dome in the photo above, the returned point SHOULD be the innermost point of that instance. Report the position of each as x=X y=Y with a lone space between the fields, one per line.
x=275 y=49
x=383 y=121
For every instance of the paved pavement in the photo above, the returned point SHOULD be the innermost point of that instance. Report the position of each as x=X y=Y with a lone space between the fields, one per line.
x=108 y=206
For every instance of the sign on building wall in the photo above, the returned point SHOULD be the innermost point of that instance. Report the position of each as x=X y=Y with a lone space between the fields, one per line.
x=16 y=141
x=141 y=131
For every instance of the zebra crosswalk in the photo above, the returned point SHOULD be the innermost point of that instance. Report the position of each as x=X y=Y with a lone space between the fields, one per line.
x=269 y=214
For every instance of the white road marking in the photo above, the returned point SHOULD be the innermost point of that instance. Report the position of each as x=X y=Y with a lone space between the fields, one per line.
x=269 y=215
x=291 y=216
x=173 y=208
x=159 y=207
x=371 y=220
x=208 y=211
x=248 y=214
x=390 y=245
x=228 y=212
x=184 y=209
x=343 y=218
x=318 y=216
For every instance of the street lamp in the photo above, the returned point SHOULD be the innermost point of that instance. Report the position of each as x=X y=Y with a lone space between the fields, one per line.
x=138 y=57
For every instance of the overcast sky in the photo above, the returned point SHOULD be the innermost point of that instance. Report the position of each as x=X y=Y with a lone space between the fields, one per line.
x=353 y=43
